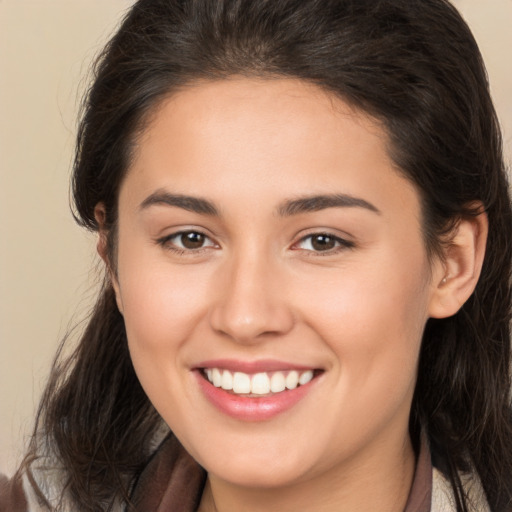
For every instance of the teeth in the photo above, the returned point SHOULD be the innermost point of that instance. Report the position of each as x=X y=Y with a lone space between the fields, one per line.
x=292 y=380
x=277 y=382
x=305 y=377
x=216 y=377
x=259 y=383
x=227 y=380
x=241 y=383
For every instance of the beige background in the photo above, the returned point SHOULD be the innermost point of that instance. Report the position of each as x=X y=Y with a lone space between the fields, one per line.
x=47 y=274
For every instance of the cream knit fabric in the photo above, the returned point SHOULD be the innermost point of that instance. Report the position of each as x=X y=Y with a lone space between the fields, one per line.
x=442 y=494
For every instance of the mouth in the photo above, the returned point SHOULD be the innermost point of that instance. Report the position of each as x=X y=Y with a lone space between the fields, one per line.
x=260 y=384
x=256 y=390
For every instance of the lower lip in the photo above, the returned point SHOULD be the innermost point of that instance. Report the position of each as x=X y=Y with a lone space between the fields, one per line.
x=252 y=408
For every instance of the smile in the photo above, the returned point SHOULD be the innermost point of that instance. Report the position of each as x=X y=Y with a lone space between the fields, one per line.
x=255 y=391
x=258 y=384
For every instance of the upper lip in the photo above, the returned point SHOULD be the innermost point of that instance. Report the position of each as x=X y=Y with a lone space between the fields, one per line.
x=262 y=365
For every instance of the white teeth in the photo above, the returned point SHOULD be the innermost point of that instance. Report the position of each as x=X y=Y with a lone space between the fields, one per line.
x=292 y=380
x=241 y=383
x=227 y=380
x=305 y=377
x=277 y=382
x=259 y=383
x=216 y=377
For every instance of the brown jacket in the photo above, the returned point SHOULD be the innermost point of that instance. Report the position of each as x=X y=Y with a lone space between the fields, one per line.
x=12 y=497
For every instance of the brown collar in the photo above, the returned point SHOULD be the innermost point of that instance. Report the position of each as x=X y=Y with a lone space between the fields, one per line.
x=172 y=480
x=420 y=497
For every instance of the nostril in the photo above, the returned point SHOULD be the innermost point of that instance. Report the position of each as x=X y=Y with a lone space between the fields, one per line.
x=251 y=322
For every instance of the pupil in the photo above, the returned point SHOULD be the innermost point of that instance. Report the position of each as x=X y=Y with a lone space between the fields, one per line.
x=323 y=242
x=192 y=240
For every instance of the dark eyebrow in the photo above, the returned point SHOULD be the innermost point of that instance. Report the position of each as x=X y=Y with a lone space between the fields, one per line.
x=322 y=202
x=190 y=203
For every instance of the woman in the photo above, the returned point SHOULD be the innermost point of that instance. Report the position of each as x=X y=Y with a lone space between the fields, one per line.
x=304 y=216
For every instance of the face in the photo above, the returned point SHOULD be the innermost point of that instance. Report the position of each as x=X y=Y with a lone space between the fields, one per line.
x=273 y=279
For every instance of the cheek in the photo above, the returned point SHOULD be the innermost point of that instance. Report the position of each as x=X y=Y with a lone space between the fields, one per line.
x=372 y=320
x=161 y=309
x=159 y=305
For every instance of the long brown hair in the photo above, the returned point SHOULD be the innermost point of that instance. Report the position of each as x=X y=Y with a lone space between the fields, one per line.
x=412 y=64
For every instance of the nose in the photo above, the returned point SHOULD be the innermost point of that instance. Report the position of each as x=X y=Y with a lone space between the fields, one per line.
x=251 y=301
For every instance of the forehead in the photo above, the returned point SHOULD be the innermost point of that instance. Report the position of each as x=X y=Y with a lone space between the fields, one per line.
x=261 y=106
x=268 y=137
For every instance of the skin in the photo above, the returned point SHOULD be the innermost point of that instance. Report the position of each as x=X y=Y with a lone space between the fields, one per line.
x=258 y=289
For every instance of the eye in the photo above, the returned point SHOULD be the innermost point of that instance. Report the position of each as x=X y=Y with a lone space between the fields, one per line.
x=187 y=241
x=323 y=242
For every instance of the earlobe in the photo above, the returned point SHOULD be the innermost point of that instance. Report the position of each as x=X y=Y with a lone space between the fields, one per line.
x=462 y=264
x=119 y=302
x=102 y=248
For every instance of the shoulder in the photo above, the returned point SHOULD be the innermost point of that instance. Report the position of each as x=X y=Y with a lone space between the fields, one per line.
x=31 y=491
x=42 y=485
x=442 y=494
x=12 y=495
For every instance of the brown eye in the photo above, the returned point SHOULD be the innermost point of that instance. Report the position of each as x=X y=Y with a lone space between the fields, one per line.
x=186 y=241
x=192 y=240
x=323 y=242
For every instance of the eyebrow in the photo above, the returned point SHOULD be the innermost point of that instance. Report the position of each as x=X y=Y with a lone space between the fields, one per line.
x=189 y=203
x=322 y=202
x=288 y=208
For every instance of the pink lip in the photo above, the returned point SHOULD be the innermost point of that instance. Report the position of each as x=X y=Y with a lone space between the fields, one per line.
x=263 y=365
x=252 y=408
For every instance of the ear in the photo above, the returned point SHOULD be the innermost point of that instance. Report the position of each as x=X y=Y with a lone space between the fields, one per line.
x=460 y=269
x=101 y=219
x=100 y=215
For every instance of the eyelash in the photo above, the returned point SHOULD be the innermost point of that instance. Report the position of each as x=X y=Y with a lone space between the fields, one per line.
x=340 y=243
x=166 y=242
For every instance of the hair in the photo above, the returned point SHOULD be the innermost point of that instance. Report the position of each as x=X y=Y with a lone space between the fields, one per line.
x=411 y=64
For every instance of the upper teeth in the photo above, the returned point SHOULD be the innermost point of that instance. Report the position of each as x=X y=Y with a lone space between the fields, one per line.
x=259 y=383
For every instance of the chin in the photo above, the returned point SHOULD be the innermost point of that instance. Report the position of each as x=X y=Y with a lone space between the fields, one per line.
x=260 y=477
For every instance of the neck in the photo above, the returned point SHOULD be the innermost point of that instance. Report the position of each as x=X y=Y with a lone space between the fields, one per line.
x=360 y=485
